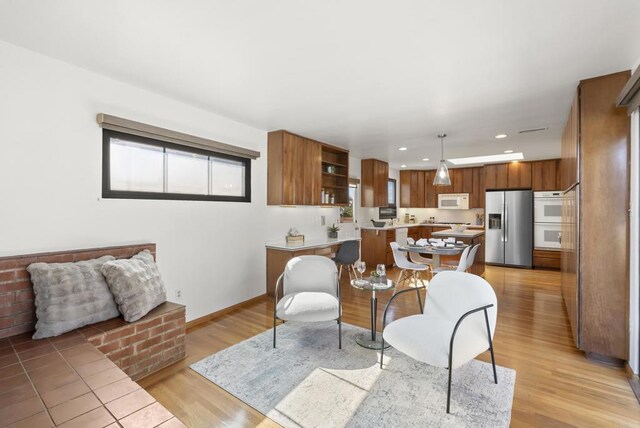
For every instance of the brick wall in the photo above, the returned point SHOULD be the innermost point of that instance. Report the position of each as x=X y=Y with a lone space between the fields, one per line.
x=147 y=345
x=17 y=310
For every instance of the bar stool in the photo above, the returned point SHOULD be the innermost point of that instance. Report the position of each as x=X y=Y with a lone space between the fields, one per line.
x=348 y=254
x=460 y=266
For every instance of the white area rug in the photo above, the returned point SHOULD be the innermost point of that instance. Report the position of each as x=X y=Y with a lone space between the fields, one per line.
x=308 y=382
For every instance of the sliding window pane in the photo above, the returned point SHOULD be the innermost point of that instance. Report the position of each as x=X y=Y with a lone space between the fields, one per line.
x=136 y=167
x=187 y=173
x=227 y=177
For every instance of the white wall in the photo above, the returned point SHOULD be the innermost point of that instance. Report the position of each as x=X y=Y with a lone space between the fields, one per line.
x=50 y=182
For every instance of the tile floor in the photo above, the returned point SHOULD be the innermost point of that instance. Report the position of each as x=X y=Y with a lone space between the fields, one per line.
x=65 y=381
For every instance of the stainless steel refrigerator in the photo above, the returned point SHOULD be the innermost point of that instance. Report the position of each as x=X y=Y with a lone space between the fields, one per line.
x=509 y=228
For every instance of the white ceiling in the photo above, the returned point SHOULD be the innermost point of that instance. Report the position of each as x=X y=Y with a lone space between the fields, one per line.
x=370 y=75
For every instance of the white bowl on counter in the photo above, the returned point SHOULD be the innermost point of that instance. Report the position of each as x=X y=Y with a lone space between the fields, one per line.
x=459 y=227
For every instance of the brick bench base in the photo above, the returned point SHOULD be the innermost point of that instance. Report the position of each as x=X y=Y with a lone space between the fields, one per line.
x=147 y=345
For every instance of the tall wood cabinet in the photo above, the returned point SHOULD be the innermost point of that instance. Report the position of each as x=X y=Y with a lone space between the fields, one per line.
x=595 y=255
x=374 y=183
x=299 y=169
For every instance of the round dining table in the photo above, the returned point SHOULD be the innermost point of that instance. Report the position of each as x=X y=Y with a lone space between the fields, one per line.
x=435 y=252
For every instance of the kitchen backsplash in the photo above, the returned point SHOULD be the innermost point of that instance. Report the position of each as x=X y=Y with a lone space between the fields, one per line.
x=458 y=216
x=306 y=219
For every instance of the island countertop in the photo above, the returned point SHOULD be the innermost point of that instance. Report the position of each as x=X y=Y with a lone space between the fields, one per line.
x=309 y=243
x=402 y=225
x=466 y=234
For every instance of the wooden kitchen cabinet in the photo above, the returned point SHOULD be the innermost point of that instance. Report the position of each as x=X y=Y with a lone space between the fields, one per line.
x=375 y=247
x=545 y=175
x=374 y=181
x=495 y=176
x=296 y=170
x=546 y=259
x=595 y=282
x=477 y=196
x=412 y=189
x=431 y=194
x=519 y=175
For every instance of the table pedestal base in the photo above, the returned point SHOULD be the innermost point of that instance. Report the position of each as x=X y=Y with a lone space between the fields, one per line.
x=365 y=341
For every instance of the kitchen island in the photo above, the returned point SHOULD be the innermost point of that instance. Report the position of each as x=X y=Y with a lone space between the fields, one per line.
x=469 y=237
x=280 y=252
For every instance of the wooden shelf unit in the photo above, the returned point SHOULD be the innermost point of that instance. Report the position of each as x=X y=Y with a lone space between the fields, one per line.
x=336 y=182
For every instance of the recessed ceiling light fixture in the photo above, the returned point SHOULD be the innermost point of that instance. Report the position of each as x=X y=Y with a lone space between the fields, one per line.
x=425 y=159
x=488 y=159
x=402 y=149
x=403 y=166
x=500 y=136
x=508 y=151
x=442 y=174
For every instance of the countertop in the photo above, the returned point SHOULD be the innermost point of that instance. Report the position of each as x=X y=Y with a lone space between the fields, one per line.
x=401 y=225
x=466 y=234
x=309 y=243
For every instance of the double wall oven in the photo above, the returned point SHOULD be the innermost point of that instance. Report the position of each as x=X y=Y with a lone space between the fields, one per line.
x=547 y=217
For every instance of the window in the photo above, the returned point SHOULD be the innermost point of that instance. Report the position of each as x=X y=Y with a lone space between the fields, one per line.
x=391 y=192
x=347 y=213
x=136 y=167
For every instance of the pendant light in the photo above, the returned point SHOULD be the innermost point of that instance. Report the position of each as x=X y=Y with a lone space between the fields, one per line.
x=442 y=174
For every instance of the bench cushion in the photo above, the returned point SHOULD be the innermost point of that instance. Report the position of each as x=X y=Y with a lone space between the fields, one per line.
x=70 y=296
x=136 y=285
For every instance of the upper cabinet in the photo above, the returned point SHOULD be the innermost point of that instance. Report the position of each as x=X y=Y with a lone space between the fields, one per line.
x=299 y=169
x=545 y=175
x=519 y=175
x=569 y=168
x=495 y=176
x=374 y=182
x=417 y=189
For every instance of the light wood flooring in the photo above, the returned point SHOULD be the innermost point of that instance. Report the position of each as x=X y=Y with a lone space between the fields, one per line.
x=555 y=384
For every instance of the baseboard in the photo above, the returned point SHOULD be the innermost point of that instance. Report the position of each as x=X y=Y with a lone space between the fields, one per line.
x=605 y=359
x=634 y=381
x=221 y=312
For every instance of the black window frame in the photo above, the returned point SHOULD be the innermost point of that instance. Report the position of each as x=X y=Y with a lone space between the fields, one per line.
x=108 y=193
x=395 y=192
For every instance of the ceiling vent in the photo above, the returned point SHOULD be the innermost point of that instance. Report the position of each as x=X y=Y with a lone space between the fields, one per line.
x=526 y=131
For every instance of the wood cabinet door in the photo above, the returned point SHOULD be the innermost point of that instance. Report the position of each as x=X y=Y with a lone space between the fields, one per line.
x=519 y=175
x=430 y=192
x=570 y=142
x=417 y=189
x=495 y=176
x=465 y=177
x=312 y=172
x=381 y=183
x=477 y=190
x=544 y=175
x=405 y=189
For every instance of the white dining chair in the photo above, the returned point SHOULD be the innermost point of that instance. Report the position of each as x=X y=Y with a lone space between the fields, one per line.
x=408 y=270
x=311 y=293
x=461 y=266
x=457 y=325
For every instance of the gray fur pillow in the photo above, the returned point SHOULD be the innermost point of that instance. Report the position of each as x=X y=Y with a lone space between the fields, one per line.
x=70 y=296
x=136 y=285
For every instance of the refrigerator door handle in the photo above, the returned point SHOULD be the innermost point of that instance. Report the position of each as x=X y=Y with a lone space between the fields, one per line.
x=505 y=230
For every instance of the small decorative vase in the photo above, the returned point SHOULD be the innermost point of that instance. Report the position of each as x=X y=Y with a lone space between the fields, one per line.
x=333 y=234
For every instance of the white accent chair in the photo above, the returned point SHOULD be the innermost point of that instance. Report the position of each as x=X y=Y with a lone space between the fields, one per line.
x=457 y=325
x=311 y=293
x=408 y=270
x=460 y=266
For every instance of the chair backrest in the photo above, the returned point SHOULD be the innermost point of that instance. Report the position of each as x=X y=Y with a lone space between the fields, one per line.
x=399 y=257
x=452 y=294
x=462 y=264
x=349 y=253
x=472 y=255
x=310 y=273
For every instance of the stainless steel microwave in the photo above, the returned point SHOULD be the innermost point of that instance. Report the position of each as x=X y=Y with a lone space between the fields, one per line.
x=387 y=213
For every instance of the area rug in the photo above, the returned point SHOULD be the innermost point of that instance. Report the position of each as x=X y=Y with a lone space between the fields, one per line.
x=308 y=382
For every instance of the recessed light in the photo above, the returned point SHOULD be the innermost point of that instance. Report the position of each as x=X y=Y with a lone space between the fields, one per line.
x=403 y=166
x=508 y=151
x=487 y=159
x=425 y=159
x=499 y=136
x=402 y=149
x=514 y=161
